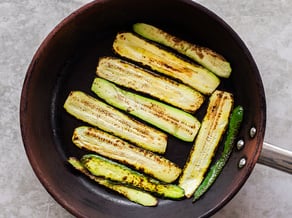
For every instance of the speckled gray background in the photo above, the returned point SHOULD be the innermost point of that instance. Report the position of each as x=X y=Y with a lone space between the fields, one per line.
x=265 y=27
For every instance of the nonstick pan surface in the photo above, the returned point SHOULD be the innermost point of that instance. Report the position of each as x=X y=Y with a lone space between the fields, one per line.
x=67 y=60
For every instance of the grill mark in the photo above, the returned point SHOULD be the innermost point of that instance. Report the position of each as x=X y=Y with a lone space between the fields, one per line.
x=142 y=81
x=128 y=125
x=91 y=132
x=155 y=61
x=158 y=112
x=120 y=144
x=214 y=116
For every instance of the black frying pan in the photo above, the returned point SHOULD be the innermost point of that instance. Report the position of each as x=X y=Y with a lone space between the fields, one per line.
x=66 y=61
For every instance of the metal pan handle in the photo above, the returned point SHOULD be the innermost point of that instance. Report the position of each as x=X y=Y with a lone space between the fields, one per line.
x=276 y=157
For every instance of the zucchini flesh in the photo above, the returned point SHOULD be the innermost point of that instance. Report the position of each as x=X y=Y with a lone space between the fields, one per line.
x=233 y=129
x=115 y=148
x=202 y=55
x=131 y=76
x=109 y=119
x=171 y=120
x=137 y=49
x=133 y=194
x=100 y=166
x=212 y=129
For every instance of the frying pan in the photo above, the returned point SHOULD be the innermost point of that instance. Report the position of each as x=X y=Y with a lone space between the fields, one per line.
x=66 y=61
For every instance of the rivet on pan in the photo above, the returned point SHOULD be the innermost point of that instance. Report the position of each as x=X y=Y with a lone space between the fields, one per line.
x=240 y=144
x=252 y=132
x=242 y=162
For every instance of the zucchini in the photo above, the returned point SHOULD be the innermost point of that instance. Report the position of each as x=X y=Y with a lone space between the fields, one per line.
x=137 y=49
x=202 y=55
x=233 y=129
x=115 y=148
x=109 y=119
x=131 y=76
x=171 y=120
x=133 y=194
x=212 y=129
x=100 y=166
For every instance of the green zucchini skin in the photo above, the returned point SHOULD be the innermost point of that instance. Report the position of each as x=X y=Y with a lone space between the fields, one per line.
x=133 y=194
x=99 y=114
x=236 y=118
x=214 y=124
x=117 y=149
x=202 y=55
x=100 y=166
x=131 y=76
x=139 y=50
x=169 y=119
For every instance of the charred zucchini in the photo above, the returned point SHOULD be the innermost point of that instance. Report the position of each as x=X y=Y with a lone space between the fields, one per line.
x=212 y=129
x=171 y=120
x=202 y=55
x=131 y=76
x=107 y=118
x=137 y=49
x=233 y=128
x=115 y=148
x=100 y=166
x=133 y=194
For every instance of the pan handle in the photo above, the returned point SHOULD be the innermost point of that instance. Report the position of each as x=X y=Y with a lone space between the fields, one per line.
x=276 y=157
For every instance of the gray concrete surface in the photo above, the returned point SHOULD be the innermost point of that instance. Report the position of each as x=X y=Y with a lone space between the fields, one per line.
x=265 y=27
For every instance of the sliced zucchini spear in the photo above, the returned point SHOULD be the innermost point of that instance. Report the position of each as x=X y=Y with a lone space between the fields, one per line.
x=236 y=118
x=131 y=76
x=133 y=194
x=109 y=119
x=170 y=119
x=115 y=148
x=202 y=55
x=212 y=129
x=137 y=49
x=100 y=166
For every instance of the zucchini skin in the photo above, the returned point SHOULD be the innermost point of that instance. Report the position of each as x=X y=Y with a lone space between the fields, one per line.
x=139 y=79
x=100 y=166
x=212 y=129
x=236 y=118
x=202 y=55
x=109 y=119
x=169 y=119
x=139 y=50
x=117 y=149
x=134 y=195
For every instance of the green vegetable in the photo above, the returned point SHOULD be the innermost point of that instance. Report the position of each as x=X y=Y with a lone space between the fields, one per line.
x=204 y=56
x=135 y=195
x=171 y=120
x=117 y=149
x=100 y=166
x=141 y=80
x=139 y=50
x=212 y=129
x=233 y=129
x=109 y=119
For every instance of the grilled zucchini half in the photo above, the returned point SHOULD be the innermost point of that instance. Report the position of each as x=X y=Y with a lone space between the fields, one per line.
x=139 y=50
x=141 y=80
x=100 y=166
x=212 y=129
x=202 y=55
x=109 y=119
x=170 y=119
x=117 y=149
x=133 y=194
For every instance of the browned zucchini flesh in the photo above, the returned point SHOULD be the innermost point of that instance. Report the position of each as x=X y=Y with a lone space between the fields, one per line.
x=213 y=127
